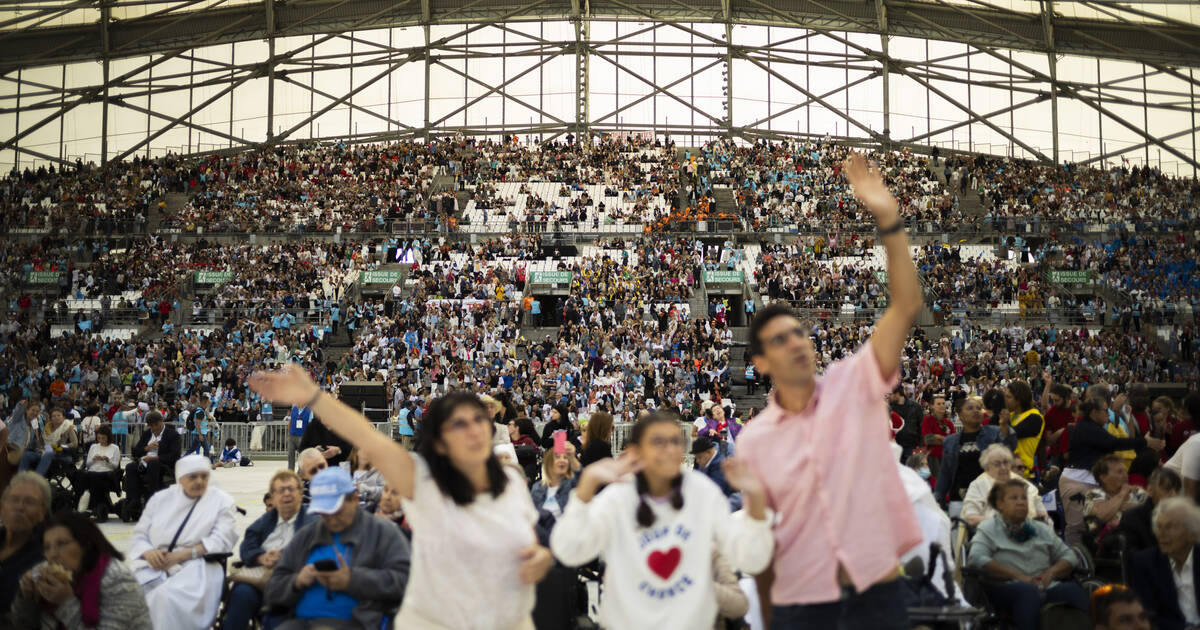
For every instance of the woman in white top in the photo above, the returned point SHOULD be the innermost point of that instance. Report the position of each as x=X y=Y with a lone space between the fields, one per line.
x=103 y=458
x=996 y=461
x=475 y=555
x=657 y=530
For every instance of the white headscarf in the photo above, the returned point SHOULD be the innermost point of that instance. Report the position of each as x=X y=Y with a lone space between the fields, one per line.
x=191 y=464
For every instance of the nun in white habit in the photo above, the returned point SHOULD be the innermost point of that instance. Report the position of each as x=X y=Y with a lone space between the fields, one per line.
x=178 y=527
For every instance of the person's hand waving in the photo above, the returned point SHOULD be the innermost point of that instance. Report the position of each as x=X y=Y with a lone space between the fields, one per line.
x=289 y=385
x=870 y=189
x=742 y=478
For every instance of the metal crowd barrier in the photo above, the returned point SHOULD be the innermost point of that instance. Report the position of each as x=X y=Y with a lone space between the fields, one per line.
x=270 y=438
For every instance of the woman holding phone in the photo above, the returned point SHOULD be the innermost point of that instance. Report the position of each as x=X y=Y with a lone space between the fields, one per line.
x=466 y=510
x=657 y=525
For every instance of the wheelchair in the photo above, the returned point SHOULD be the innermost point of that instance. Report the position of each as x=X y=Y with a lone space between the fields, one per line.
x=64 y=491
x=975 y=584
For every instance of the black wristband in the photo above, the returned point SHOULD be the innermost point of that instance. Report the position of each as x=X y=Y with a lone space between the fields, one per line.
x=898 y=226
x=313 y=401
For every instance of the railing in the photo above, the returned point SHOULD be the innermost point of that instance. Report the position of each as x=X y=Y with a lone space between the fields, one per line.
x=217 y=316
x=112 y=317
x=366 y=230
x=270 y=437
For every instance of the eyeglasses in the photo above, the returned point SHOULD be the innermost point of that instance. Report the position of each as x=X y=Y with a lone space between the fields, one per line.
x=316 y=469
x=776 y=341
x=1000 y=464
x=286 y=490
x=662 y=442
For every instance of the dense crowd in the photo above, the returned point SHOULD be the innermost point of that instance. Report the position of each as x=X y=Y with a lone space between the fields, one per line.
x=987 y=419
x=1025 y=191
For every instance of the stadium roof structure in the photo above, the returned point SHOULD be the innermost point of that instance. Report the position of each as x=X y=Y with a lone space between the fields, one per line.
x=1017 y=47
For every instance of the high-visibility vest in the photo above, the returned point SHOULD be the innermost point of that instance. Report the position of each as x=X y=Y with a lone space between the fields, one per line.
x=1027 y=447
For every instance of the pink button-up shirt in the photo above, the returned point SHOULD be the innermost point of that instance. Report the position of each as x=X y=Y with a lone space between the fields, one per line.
x=830 y=473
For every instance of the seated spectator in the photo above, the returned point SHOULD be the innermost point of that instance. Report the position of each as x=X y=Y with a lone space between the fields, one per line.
x=99 y=474
x=732 y=603
x=524 y=438
x=1088 y=443
x=24 y=505
x=1026 y=555
x=598 y=434
x=997 y=463
x=179 y=527
x=154 y=454
x=552 y=491
x=708 y=460
x=97 y=590
x=366 y=478
x=262 y=546
x=1115 y=607
x=231 y=455
x=56 y=442
x=1137 y=526
x=311 y=462
x=391 y=510
x=1104 y=505
x=1165 y=577
x=346 y=571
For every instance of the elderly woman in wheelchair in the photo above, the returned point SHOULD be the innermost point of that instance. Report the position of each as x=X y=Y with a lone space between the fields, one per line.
x=997 y=462
x=1024 y=564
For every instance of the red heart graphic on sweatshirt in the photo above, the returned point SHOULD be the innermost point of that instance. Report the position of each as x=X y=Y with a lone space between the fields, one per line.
x=663 y=564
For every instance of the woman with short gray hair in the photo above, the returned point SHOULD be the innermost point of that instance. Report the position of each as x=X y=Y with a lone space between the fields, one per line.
x=24 y=506
x=996 y=461
x=1165 y=577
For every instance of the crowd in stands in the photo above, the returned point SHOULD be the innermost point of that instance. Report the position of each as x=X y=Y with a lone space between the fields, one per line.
x=790 y=184
x=315 y=188
x=114 y=199
x=989 y=418
x=1022 y=191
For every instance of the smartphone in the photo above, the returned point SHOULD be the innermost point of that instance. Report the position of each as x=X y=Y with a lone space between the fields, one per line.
x=326 y=565
x=560 y=441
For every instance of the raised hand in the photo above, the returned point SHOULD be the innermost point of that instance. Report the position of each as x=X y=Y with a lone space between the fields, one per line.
x=869 y=188
x=612 y=469
x=604 y=472
x=740 y=476
x=290 y=385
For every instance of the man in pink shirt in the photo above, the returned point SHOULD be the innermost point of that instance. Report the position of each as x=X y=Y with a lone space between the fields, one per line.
x=821 y=447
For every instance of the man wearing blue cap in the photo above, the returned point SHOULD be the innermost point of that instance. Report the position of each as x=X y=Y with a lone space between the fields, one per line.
x=346 y=571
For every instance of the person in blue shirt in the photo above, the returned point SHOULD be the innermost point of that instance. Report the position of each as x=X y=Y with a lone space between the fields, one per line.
x=348 y=570
x=298 y=419
x=231 y=455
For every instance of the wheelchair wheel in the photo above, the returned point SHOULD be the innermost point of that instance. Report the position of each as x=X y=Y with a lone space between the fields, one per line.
x=62 y=494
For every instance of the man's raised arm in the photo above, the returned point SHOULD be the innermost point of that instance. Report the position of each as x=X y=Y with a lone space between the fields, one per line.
x=904 y=288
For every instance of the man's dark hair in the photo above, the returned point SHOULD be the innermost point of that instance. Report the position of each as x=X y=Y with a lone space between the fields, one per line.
x=993 y=401
x=230 y=442
x=1062 y=391
x=1102 y=603
x=153 y=417
x=761 y=320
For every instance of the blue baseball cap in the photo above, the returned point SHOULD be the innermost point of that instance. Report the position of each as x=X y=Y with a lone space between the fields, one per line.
x=328 y=489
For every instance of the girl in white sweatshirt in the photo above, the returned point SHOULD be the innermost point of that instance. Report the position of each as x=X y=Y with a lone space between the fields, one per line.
x=657 y=530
